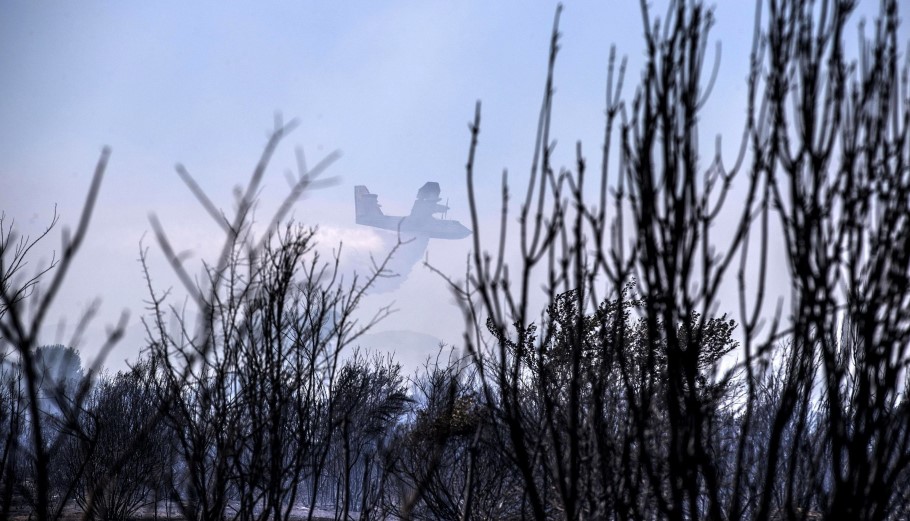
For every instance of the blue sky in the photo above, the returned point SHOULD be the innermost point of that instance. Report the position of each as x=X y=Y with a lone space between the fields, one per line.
x=390 y=84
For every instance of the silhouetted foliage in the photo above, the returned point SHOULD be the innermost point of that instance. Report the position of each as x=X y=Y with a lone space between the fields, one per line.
x=612 y=417
x=45 y=406
x=628 y=389
x=117 y=463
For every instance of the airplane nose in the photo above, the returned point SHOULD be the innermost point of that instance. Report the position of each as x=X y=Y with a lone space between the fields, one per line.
x=465 y=231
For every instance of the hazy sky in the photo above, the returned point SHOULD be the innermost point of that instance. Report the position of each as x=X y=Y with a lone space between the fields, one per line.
x=390 y=84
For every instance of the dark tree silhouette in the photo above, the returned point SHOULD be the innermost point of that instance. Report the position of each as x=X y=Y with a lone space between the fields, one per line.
x=113 y=425
x=609 y=417
x=250 y=384
x=627 y=390
x=40 y=418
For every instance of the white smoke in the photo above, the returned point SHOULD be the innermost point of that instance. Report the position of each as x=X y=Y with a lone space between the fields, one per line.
x=364 y=250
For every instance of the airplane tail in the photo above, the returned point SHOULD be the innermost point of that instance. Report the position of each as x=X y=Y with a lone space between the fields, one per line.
x=366 y=205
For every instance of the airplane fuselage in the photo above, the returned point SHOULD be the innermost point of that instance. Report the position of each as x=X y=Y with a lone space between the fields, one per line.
x=426 y=227
x=421 y=222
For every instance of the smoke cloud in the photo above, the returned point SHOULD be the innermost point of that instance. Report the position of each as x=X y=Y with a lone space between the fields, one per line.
x=363 y=250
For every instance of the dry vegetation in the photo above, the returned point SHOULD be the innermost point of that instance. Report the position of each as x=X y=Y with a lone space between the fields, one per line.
x=631 y=395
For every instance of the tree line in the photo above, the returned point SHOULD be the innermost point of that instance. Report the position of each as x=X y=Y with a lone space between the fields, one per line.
x=634 y=392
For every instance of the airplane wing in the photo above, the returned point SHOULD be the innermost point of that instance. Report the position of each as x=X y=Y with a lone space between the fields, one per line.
x=427 y=202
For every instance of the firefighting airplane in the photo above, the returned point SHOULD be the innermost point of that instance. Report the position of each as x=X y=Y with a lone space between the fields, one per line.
x=420 y=222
